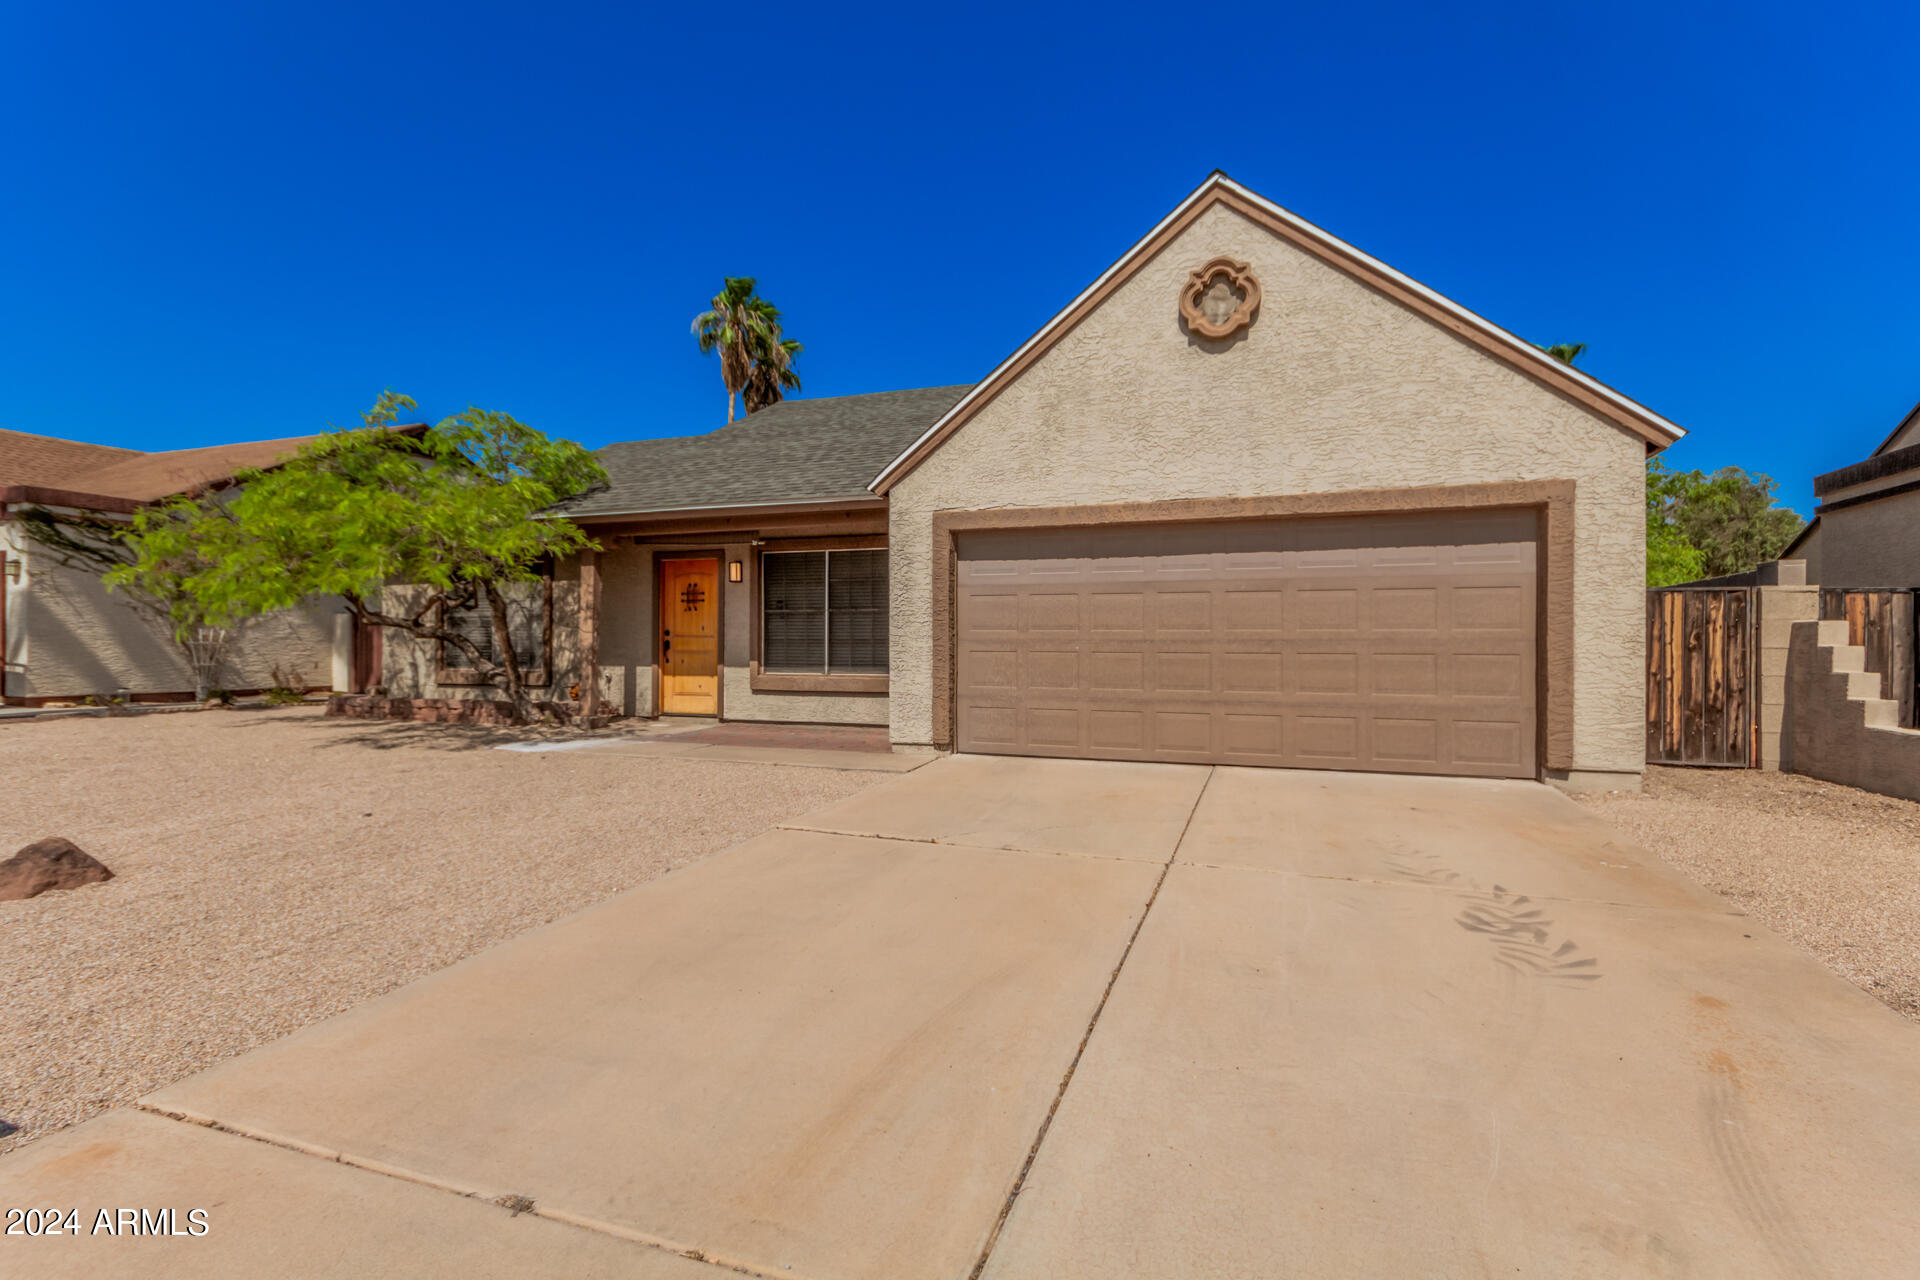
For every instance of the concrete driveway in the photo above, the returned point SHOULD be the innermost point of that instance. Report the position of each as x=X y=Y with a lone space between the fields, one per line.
x=1046 y=1019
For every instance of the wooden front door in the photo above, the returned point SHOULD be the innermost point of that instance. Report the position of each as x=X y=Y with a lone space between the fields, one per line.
x=690 y=637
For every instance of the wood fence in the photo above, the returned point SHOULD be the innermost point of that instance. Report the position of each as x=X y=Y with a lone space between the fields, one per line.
x=1881 y=622
x=1700 y=677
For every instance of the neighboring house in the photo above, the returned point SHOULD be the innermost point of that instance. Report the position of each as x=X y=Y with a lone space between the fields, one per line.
x=66 y=637
x=1866 y=530
x=1251 y=498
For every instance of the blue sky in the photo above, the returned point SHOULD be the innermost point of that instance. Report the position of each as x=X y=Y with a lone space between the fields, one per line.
x=222 y=223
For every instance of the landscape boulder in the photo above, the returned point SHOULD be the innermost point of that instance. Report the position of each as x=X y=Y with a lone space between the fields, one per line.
x=52 y=863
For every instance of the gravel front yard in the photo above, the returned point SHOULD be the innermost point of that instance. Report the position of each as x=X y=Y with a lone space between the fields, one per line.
x=273 y=868
x=1835 y=869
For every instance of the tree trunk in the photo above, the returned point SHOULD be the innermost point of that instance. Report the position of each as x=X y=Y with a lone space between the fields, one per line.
x=509 y=660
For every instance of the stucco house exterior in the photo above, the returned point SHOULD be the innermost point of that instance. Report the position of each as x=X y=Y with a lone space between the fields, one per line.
x=66 y=637
x=1866 y=531
x=1253 y=497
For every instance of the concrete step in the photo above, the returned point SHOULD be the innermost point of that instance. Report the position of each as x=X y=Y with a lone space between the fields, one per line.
x=1833 y=632
x=1863 y=685
x=1882 y=713
x=1849 y=657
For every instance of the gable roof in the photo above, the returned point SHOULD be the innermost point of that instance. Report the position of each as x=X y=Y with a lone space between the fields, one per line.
x=1219 y=189
x=47 y=460
x=796 y=451
x=1904 y=423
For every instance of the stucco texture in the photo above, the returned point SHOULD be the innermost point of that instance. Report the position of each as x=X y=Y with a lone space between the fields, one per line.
x=70 y=637
x=1876 y=544
x=1837 y=725
x=409 y=667
x=1334 y=387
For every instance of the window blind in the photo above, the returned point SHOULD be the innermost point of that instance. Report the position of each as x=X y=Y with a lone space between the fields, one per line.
x=526 y=607
x=824 y=611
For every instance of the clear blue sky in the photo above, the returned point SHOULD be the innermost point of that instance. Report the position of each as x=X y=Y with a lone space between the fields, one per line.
x=222 y=223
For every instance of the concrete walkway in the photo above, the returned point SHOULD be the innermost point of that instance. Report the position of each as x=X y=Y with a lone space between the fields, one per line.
x=1023 y=1018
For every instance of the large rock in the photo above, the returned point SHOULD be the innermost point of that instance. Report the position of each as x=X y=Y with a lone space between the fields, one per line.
x=52 y=863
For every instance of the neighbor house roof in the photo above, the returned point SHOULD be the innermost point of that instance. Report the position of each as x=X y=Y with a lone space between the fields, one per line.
x=797 y=451
x=44 y=460
x=1219 y=189
x=106 y=479
x=1885 y=461
x=153 y=476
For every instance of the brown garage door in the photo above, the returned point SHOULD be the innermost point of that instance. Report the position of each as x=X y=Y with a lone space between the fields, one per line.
x=1395 y=643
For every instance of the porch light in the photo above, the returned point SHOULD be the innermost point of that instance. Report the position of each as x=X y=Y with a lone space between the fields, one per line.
x=12 y=569
x=736 y=572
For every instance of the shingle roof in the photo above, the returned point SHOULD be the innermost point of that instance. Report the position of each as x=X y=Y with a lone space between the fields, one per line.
x=795 y=451
x=153 y=476
x=47 y=461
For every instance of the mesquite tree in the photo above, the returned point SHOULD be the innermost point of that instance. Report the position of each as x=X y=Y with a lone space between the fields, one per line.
x=449 y=512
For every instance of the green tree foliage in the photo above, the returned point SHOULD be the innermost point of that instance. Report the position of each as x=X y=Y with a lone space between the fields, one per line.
x=1670 y=557
x=1566 y=352
x=1702 y=525
x=448 y=513
x=756 y=360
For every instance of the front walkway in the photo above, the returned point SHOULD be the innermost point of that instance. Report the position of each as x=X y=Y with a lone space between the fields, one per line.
x=1053 y=1019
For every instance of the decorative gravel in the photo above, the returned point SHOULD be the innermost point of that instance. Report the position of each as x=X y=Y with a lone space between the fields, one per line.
x=1834 y=868
x=273 y=868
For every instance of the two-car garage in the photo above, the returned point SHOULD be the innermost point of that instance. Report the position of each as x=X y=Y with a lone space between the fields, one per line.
x=1256 y=498
x=1399 y=643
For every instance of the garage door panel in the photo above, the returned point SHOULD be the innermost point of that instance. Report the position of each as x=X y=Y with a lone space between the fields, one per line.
x=1402 y=644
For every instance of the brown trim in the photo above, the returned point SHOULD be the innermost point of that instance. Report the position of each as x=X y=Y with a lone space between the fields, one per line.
x=809 y=682
x=849 y=542
x=589 y=632
x=1508 y=349
x=40 y=495
x=1554 y=499
x=721 y=512
x=719 y=557
x=538 y=677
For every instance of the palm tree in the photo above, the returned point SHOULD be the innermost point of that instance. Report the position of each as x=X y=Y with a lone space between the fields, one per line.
x=745 y=329
x=1565 y=352
x=772 y=375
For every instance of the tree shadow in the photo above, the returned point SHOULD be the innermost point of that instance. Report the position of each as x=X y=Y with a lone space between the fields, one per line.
x=392 y=735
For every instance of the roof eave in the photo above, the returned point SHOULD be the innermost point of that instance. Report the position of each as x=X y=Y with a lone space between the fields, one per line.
x=860 y=502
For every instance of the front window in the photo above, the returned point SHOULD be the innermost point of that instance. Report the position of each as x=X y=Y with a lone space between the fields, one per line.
x=824 y=611
x=529 y=618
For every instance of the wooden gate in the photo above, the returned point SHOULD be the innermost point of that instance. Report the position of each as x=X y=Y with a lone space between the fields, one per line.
x=1700 y=677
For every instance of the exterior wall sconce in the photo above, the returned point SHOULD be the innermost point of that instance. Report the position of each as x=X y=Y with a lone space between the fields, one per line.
x=12 y=569
x=736 y=572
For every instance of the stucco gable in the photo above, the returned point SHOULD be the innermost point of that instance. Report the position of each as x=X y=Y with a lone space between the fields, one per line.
x=1285 y=233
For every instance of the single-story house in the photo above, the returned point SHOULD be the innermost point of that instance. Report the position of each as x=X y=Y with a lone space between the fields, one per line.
x=66 y=637
x=1866 y=531
x=1253 y=497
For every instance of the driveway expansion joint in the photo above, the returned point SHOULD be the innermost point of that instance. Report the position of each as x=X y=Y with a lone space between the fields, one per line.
x=512 y=1204
x=1046 y=1123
